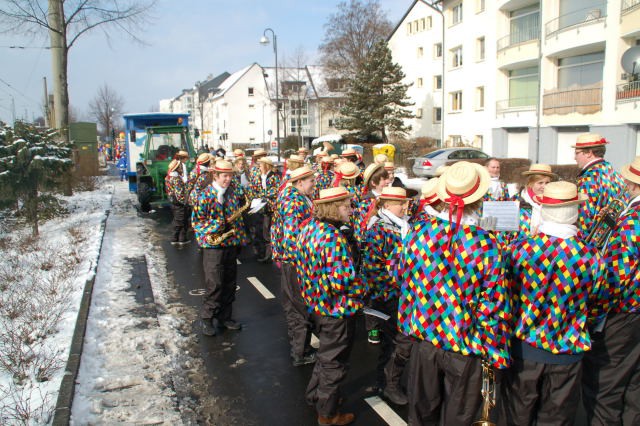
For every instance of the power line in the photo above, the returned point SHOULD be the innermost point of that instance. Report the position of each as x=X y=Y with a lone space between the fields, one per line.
x=26 y=47
x=19 y=92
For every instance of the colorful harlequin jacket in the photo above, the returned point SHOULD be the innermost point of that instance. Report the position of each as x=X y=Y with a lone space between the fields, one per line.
x=326 y=272
x=361 y=213
x=209 y=216
x=457 y=300
x=255 y=184
x=199 y=184
x=601 y=183
x=556 y=286
x=294 y=209
x=381 y=248
x=268 y=194
x=323 y=181
x=501 y=194
x=175 y=188
x=622 y=260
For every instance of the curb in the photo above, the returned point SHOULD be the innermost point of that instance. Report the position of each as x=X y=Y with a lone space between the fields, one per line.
x=62 y=413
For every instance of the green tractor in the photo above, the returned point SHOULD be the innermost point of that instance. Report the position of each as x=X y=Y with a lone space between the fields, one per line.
x=161 y=145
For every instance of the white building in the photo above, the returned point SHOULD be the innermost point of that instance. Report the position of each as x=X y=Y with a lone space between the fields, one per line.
x=524 y=77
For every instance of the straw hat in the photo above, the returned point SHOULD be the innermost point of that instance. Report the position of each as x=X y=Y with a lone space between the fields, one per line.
x=349 y=152
x=173 y=165
x=183 y=154
x=561 y=193
x=468 y=181
x=259 y=153
x=238 y=152
x=632 y=171
x=428 y=192
x=327 y=160
x=330 y=195
x=540 y=169
x=265 y=160
x=296 y=159
x=369 y=171
x=335 y=156
x=223 y=166
x=589 y=140
x=348 y=170
x=394 y=193
x=339 y=160
x=389 y=166
x=440 y=170
x=380 y=159
x=301 y=173
x=204 y=158
x=303 y=150
x=321 y=154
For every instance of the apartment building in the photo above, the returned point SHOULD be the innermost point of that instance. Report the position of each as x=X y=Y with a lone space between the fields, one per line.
x=524 y=77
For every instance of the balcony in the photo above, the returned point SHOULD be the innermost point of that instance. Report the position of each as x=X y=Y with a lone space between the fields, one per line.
x=516 y=105
x=628 y=91
x=519 y=37
x=629 y=18
x=576 y=19
x=628 y=6
x=581 y=100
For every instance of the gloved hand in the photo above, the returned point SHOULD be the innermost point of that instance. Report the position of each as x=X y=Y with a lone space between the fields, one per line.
x=489 y=223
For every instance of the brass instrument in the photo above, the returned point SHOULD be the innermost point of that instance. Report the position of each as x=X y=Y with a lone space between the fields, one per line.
x=217 y=238
x=604 y=222
x=488 y=394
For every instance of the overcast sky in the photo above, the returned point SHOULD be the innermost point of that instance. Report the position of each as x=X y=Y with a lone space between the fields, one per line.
x=187 y=41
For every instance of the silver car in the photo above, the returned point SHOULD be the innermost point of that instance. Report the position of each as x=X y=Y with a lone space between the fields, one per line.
x=427 y=164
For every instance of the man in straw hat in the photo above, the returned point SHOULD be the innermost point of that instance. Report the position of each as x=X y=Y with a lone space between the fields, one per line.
x=254 y=171
x=597 y=178
x=332 y=292
x=345 y=174
x=199 y=178
x=211 y=222
x=430 y=205
x=294 y=208
x=319 y=154
x=325 y=176
x=453 y=301
x=555 y=279
x=266 y=189
x=611 y=369
x=380 y=252
x=176 y=190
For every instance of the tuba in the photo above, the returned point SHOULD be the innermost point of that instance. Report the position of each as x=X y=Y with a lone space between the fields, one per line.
x=603 y=224
x=217 y=238
x=488 y=394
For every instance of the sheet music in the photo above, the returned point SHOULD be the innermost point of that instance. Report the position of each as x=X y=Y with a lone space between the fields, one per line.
x=507 y=213
x=256 y=205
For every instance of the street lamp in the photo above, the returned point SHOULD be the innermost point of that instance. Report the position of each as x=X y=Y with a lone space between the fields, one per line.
x=264 y=41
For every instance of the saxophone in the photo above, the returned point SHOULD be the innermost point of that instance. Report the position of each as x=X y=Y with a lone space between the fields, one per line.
x=219 y=237
x=488 y=394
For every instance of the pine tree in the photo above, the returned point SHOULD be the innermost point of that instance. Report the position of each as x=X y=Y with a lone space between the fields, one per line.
x=31 y=160
x=377 y=99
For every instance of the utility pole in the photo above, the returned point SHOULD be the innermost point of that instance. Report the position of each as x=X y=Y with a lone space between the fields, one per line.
x=13 y=111
x=46 y=103
x=58 y=45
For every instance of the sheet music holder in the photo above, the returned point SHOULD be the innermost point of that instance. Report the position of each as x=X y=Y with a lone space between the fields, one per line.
x=507 y=214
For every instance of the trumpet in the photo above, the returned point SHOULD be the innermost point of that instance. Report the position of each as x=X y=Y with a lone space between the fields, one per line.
x=488 y=392
x=219 y=237
x=603 y=224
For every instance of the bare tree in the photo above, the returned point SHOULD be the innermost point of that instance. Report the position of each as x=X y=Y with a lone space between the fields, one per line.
x=297 y=91
x=104 y=107
x=349 y=35
x=66 y=21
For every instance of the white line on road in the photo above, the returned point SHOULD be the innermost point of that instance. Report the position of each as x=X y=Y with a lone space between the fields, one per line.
x=261 y=288
x=238 y=262
x=384 y=411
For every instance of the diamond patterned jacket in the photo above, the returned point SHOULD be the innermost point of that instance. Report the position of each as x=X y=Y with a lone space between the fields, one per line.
x=601 y=183
x=456 y=300
x=326 y=272
x=293 y=210
x=379 y=256
x=209 y=217
x=175 y=188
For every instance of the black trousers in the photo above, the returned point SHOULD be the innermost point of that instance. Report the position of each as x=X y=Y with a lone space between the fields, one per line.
x=444 y=387
x=336 y=337
x=180 y=221
x=611 y=377
x=261 y=233
x=220 y=271
x=541 y=394
x=295 y=311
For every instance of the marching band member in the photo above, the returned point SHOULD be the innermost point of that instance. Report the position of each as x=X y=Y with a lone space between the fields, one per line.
x=295 y=208
x=254 y=173
x=199 y=178
x=352 y=155
x=430 y=205
x=453 y=300
x=380 y=158
x=325 y=176
x=221 y=239
x=556 y=283
x=345 y=175
x=381 y=245
x=268 y=191
x=332 y=293
x=304 y=153
x=176 y=190
x=597 y=178
x=538 y=176
x=611 y=375
x=497 y=189
x=317 y=164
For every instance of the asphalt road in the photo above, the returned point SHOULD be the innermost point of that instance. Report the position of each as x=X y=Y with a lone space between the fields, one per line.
x=250 y=371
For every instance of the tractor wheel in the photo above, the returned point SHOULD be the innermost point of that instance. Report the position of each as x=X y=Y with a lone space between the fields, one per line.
x=144 y=197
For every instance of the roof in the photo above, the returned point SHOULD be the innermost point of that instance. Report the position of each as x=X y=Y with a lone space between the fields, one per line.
x=319 y=81
x=231 y=80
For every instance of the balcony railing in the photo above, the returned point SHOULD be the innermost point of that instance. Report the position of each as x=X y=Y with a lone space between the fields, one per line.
x=628 y=91
x=629 y=5
x=516 y=104
x=520 y=36
x=583 y=100
x=576 y=19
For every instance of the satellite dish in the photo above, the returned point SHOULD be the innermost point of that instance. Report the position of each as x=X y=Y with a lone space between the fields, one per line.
x=631 y=60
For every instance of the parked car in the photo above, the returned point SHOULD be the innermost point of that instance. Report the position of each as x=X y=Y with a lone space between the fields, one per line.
x=427 y=164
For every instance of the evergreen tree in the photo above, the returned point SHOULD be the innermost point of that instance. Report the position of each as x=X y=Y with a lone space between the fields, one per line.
x=377 y=99
x=31 y=160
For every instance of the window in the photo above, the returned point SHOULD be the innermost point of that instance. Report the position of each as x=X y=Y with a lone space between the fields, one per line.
x=437 y=115
x=423 y=24
x=477 y=141
x=250 y=91
x=252 y=140
x=523 y=87
x=419 y=113
x=419 y=83
x=409 y=28
x=456 y=101
x=437 y=82
x=331 y=123
x=456 y=14
x=298 y=125
x=456 y=140
x=479 y=6
x=415 y=26
x=251 y=106
x=581 y=70
x=429 y=23
x=252 y=123
x=456 y=57
x=480 y=98
x=420 y=52
x=524 y=24
x=480 y=49
x=437 y=50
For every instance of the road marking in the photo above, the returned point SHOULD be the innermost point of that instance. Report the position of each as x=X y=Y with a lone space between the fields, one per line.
x=314 y=341
x=197 y=292
x=384 y=411
x=261 y=288
x=238 y=262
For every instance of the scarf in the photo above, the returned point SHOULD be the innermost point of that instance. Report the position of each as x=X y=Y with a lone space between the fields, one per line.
x=184 y=173
x=392 y=219
x=220 y=191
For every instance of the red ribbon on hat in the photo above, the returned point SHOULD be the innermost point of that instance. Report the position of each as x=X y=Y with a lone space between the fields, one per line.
x=456 y=204
x=325 y=165
x=548 y=200
x=365 y=222
x=337 y=178
x=634 y=170
x=427 y=201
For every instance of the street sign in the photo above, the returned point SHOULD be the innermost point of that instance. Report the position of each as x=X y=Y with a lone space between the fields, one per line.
x=269 y=132
x=206 y=132
x=274 y=144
